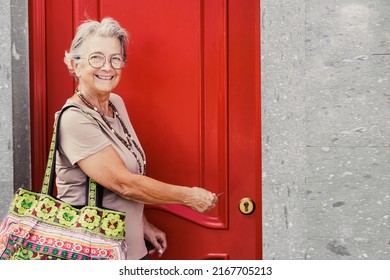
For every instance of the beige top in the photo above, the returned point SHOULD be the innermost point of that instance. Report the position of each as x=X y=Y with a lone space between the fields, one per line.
x=80 y=137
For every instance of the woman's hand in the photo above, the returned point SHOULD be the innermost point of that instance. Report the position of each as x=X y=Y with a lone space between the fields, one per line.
x=156 y=237
x=201 y=200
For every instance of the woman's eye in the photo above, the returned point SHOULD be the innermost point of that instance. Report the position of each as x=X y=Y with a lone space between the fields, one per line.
x=117 y=58
x=95 y=57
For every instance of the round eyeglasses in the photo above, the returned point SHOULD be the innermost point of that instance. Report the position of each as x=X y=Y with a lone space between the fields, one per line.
x=98 y=60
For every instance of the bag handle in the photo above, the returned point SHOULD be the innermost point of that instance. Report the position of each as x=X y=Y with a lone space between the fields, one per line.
x=95 y=190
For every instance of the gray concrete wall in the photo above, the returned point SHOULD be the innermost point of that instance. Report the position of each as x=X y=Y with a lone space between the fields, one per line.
x=15 y=163
x=6 y=139
x=21 y=94
x=325 y=114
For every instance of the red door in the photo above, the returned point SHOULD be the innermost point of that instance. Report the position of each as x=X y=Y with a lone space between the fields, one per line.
x=192 y=89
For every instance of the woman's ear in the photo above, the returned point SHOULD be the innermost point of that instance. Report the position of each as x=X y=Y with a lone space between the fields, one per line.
x=75 y=67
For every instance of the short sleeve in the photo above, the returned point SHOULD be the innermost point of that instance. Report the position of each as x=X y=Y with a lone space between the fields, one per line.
x=80 y=135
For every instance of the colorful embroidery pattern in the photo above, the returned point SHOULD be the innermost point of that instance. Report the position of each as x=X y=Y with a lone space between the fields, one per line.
x=37 y=228
x=57 y=212
x=31 y=244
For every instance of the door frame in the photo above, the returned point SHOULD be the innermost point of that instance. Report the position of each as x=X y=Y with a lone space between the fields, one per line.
x=38 y=98
x=244 y=77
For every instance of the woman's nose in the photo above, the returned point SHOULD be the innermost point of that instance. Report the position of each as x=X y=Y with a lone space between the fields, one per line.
x=107 y=65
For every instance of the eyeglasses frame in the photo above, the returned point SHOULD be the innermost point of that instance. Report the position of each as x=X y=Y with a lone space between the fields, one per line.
x=105 y=60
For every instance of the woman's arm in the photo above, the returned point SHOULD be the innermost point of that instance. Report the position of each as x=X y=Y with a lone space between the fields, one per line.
x=108 y=169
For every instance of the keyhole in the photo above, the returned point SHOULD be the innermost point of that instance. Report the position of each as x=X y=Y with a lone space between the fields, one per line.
x=246 y=205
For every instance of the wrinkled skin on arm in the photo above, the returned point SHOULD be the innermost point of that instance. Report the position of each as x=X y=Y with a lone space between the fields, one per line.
x=108 y=169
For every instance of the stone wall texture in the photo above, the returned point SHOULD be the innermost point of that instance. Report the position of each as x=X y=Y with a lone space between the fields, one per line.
x=325 y=114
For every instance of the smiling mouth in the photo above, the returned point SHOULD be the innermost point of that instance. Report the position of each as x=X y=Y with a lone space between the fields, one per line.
x=106 y=78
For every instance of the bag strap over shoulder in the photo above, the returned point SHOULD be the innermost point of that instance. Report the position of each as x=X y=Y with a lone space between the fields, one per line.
x=95 y=190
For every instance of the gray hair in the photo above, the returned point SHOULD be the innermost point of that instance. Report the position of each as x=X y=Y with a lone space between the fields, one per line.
x=108 y=27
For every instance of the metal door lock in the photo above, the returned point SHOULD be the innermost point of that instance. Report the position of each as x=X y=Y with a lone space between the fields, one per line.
x=247 y=206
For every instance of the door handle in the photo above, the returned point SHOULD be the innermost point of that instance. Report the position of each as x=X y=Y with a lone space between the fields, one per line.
x=246 y=206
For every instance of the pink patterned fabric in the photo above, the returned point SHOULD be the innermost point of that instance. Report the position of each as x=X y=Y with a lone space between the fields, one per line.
x=39 y=226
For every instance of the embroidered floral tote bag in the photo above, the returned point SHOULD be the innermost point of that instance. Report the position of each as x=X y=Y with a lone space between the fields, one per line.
x=41 y=227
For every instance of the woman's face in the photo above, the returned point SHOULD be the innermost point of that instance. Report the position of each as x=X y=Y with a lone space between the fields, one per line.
x=101 y=80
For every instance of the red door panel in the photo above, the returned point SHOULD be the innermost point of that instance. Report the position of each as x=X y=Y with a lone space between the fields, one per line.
x=191 y=87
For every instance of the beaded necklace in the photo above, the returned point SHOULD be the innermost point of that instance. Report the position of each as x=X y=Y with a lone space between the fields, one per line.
x=130 y=140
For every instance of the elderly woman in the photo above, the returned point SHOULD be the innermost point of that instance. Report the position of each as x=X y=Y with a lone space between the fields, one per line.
x=99 y=141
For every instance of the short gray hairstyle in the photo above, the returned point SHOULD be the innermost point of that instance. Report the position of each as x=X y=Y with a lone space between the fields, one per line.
x=108 y=27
